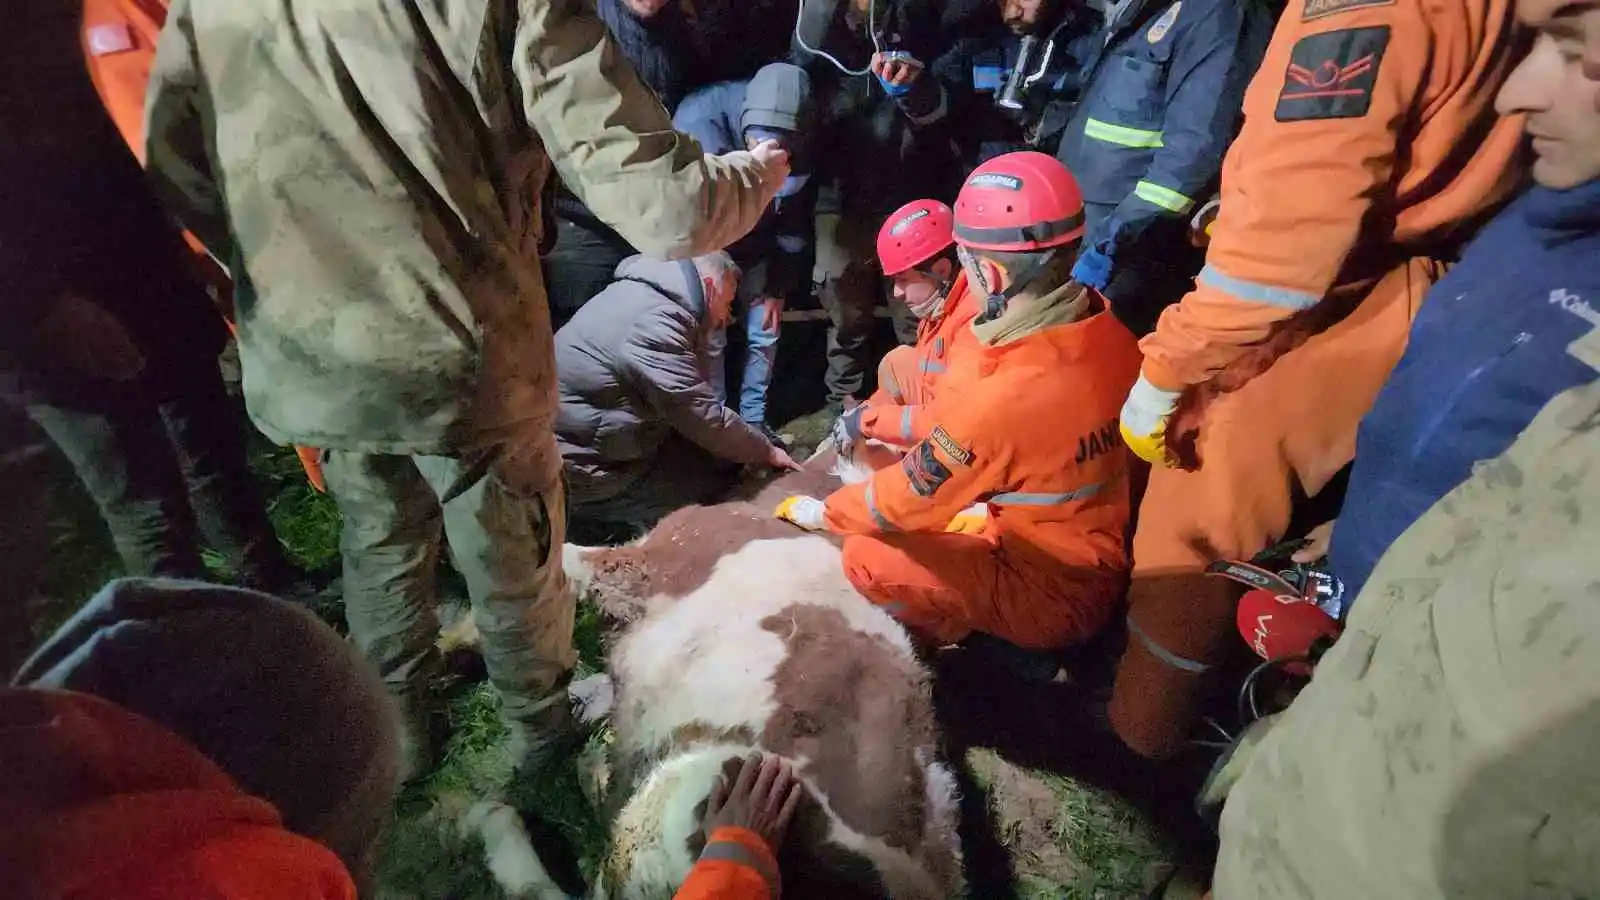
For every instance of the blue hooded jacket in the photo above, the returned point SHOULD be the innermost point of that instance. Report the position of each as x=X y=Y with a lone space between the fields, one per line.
x=1493 y=343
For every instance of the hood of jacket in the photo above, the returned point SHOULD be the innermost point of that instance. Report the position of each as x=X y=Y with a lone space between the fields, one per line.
x=676 y=278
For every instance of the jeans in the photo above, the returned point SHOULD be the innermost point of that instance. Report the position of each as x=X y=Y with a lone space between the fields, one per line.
x=262 y=688
x=506 y=542
x=761 y=352
x=164 y=470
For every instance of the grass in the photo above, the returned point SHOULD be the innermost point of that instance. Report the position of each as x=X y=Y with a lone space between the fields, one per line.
x=1067 y=841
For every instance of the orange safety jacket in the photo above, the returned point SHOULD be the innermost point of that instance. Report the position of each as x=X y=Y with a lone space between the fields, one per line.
x=101 y=802
x=943 y=342
x=1034 y=435
x=735 y=865
x=119 y=44
x=1312 y=202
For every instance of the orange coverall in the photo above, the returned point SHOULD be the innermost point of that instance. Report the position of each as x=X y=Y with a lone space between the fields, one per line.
x=1035 y=436
x=736 y=865
x=1370 y=151
x=897 y=412
x=119 y=42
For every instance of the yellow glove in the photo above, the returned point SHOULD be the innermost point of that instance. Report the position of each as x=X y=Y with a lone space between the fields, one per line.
x=1144 y=421
x=807 y=512
x=971 y=520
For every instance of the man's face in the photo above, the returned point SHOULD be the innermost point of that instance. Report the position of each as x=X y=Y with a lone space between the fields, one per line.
x=720 y=290
x=644 y=9
x=1551 y=86
x=1022 y=16
x=919 y=289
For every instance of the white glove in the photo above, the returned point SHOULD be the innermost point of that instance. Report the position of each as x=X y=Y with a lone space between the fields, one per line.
x=807 y=512
x=1144 y=420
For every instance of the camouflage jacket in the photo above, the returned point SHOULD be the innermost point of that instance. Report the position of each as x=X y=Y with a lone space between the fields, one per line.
x=1446 y=746
x=370 y=170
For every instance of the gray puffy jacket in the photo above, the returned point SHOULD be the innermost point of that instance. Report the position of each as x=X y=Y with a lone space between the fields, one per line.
x=632 y=370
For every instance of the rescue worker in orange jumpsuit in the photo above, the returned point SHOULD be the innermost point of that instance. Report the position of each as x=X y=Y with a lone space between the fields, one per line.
x=1370 y=151
x=119 y=42
x=1033 y=437
x=916 y=248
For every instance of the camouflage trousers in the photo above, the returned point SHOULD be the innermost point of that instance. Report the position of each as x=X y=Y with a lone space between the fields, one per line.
x=506 y=542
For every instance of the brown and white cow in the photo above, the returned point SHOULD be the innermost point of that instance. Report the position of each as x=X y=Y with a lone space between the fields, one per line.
x=747 y=636
x=742 y=633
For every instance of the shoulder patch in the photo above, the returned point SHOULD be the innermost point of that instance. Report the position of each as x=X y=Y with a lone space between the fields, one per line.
x=1164 y=24
x=958 y=454
x=1316 y=9
x=1332 y=75
x=924 y=470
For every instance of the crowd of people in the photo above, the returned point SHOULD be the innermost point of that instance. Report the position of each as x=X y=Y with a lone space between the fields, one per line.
x=1163 y=272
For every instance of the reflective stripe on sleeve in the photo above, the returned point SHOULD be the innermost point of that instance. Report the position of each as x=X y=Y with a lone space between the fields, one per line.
x=1121 y=135
x=1024 y=498
x=905 y=423
x=1164 y=197
x=877 y=517
x=1162 y=653
x=739 y=854
x=1256 y=292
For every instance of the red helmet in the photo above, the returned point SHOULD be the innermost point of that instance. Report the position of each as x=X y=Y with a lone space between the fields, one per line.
x=1019 y=201
x=914 y=234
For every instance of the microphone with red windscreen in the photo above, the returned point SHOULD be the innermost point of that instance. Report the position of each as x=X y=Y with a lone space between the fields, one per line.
x=1283 y=626
x=1281 y=619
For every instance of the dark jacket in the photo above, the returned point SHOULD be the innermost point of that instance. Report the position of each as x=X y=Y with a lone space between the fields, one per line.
x=785 y=240
x=1498 y=337
x=1161 y=105
x=727 y=40
x=77 y=217
x=869 y=146
x=975 y=69
x=632 y=372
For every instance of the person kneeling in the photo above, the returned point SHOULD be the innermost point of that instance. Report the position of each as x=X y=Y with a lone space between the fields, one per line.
x=916 y=247
x=640 y=429
x=1033 y=437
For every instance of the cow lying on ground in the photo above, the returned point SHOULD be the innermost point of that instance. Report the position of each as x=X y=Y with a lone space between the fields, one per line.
x=742 y=633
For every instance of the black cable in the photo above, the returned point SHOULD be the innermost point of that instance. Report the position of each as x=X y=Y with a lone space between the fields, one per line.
x=1246 y=704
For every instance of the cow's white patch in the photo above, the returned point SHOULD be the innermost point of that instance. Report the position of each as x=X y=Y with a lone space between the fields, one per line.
x=509 y=853
x=707 y=658
x=650 y=842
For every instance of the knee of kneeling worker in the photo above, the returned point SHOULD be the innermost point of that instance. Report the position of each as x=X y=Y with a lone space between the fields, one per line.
x=892 y=371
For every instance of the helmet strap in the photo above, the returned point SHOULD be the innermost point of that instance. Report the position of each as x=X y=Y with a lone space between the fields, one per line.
x=995 y=305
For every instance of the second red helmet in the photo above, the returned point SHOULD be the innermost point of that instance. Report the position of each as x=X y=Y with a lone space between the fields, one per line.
x=1019 y=201
x=914 y=234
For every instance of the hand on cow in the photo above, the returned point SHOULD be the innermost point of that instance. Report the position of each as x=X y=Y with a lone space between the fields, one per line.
x=779 y=458
x=807 y=512
x=846 y=429
x=761 y=799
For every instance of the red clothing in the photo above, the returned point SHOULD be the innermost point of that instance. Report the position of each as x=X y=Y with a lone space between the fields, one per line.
x=1034 y=435
x=736 y=865
x=98 y=803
